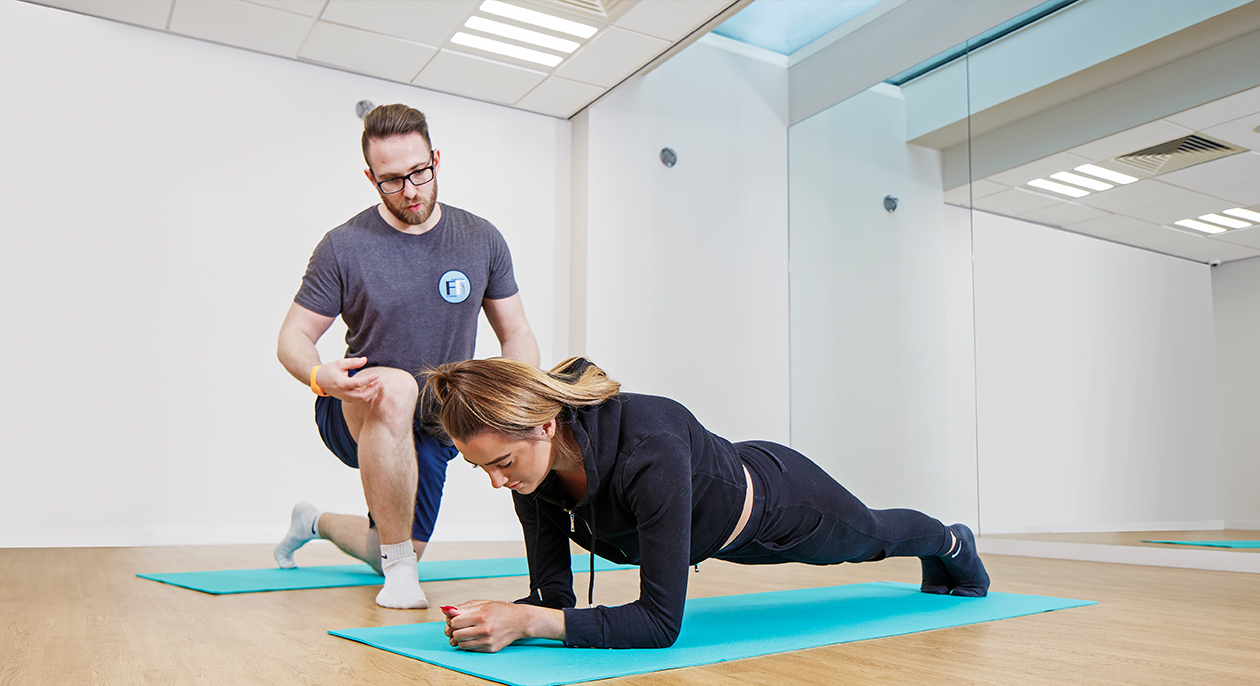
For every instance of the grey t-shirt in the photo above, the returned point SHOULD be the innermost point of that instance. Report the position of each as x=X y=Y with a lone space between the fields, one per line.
x=409 y=302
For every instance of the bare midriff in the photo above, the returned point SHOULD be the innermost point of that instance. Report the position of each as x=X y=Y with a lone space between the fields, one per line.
x=747 y=513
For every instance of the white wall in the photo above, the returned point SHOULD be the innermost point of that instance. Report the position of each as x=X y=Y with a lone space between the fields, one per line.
x=1236 y=300
x=882 y=366
x=162 y=197
x=1096 y=384
x=686 y=267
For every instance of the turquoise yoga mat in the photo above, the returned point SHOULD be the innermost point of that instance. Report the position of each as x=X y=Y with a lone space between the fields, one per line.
x=333 y=576
x=1214 y=544
x=719 y=629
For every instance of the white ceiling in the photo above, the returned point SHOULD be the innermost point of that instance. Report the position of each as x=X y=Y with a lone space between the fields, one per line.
x=409 y=41
x=1143 y=213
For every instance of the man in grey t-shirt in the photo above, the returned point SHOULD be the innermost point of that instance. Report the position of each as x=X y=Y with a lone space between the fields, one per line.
x=409 y=277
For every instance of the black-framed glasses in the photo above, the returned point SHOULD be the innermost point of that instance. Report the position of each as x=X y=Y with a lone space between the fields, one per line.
x=417 y=178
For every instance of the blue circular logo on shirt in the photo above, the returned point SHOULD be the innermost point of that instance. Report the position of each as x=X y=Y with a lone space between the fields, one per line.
x=454 y=287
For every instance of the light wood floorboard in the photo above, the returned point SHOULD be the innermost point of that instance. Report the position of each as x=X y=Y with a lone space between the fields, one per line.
x=81 y=616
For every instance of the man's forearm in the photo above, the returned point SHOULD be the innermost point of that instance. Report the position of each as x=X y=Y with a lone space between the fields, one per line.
x=521 y=346
x=298 y=354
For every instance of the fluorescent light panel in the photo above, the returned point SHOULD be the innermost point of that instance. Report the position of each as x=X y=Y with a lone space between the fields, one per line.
x=1083 y=181
x=1199 y=226
x=520 y=34
x=1243 y=214
x=546 y=21
x=1062 y=189
x=1103 y=173
x=501 y=48
x=1224 y=221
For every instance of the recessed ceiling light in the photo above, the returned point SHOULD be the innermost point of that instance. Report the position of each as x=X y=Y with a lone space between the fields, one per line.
x=1070 y=191
x=502 y=48
x=1199 y=226
x=538 y=19
x=1245 y=214
x=520 y=34
x=1092 y=184
x=1224 y=221
x=1102 y=173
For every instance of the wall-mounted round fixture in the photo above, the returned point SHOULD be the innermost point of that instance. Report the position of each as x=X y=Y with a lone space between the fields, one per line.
x=362 y=107
x=668 y=157
x=890 y=203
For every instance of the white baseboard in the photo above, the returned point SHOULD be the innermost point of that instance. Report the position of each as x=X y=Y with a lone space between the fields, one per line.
x=1172 y=556
x=1106 y=527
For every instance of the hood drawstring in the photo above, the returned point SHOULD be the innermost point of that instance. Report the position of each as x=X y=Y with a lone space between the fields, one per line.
x=590 y=589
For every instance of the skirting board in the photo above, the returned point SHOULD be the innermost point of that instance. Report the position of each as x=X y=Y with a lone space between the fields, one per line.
x=1215 y=560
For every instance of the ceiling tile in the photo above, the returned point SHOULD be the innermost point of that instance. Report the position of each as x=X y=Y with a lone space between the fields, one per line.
x=670 y=19
x=1112 y=226
x=1218 y=173
x=1014 y=202
x=964 y=194
x=559 y=97
x=1044 y=167
x=478 y=78
x=1243 y=194
x=150 y=13
x=1219 y=111
x=1130 y=140
x=1245 y=237
x=1169 y=211
x=610 y=57
x=306 y=8
x=430 y=22
x=1063 y=214
x=365 y=52
x=1197 y=248
x=1241 y=132
x=1121 y=199
x=241 y=24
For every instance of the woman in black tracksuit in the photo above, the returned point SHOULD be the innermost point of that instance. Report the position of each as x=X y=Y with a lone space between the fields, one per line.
x=636 y=479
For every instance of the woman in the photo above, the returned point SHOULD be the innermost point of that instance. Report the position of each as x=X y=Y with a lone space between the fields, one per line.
x=636 y=479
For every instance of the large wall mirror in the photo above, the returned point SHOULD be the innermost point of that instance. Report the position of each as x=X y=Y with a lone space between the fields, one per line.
x=1029 y=341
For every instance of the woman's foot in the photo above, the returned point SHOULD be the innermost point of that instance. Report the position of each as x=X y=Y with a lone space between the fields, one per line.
x=966 y=571
x=936 y=578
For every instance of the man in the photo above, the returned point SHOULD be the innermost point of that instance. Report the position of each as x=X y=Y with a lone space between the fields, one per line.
x=409 y=277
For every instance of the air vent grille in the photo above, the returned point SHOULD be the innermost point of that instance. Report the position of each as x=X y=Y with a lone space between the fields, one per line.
x=605 y=10
x=1176 y=154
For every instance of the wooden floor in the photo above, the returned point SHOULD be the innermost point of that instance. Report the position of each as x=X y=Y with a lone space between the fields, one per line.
x=81 y=616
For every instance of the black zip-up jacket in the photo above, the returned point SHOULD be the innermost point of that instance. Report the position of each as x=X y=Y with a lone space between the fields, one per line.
x=662 y=492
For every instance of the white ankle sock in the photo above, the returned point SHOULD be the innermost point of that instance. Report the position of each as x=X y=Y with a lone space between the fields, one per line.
x=402 y=580
x=303 y=527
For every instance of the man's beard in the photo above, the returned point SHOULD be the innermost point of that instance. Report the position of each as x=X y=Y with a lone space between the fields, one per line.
x=418 y=217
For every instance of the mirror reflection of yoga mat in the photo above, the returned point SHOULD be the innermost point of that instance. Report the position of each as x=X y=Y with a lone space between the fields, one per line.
x=720 y=629
x=1214 y=544
x=336 y=576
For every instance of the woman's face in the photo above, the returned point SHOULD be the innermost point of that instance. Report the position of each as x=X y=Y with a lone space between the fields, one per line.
x=517 y=464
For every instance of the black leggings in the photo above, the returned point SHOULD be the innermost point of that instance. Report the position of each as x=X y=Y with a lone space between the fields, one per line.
x=800 y=514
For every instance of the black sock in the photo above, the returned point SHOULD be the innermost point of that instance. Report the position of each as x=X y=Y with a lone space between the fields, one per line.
x=964 y=566
x=936 y=578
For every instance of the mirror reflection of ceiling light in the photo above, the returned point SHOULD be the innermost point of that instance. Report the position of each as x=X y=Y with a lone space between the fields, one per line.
x=1224 y=221
x=1243 y=214
x=1199 y=226
x=520 y=34
x=546 y=21
x=1103 y=173
x=1083 y=181
x=461 y=38
x=1062 y=189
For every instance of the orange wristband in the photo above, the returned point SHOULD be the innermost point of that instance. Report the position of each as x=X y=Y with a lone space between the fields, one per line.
x=314 y=386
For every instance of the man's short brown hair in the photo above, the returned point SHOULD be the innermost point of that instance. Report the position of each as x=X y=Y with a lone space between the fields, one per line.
x=387 y=121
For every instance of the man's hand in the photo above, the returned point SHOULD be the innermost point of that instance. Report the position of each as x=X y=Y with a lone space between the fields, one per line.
x=334 y=378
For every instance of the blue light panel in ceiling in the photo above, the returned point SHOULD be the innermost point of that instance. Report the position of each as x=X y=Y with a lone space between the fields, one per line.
x=785 y=26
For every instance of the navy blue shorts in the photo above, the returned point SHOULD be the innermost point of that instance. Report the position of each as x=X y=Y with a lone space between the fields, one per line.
x=431 y=459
